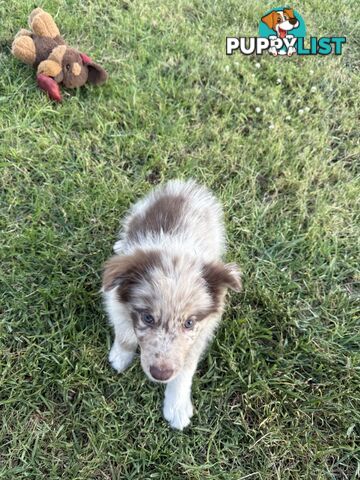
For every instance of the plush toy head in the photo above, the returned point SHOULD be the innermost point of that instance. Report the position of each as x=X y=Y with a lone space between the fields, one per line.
x=56 y=62
x=78 y=68
x=72 y=68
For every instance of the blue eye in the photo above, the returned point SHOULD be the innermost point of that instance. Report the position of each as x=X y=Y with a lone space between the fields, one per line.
x=189 y=323
x=147 y=318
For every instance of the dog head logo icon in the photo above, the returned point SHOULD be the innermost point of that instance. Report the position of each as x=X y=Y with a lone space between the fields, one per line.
x=281 y=21
x=285 y=24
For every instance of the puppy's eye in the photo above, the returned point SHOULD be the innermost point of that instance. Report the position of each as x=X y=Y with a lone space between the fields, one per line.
x=147 y=318
x=68 y=66
x=279 y=20
x=189 y=323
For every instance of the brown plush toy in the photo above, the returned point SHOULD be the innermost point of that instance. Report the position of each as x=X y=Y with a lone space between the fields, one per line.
x=56 y=63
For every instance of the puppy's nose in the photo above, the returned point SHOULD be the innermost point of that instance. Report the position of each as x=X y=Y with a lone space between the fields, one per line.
x=162 y=373
x=293 y=21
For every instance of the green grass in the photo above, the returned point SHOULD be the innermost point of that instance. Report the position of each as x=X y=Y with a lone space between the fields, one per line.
x=278 y=392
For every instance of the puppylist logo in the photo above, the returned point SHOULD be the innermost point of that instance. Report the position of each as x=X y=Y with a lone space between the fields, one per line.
x=282 y=32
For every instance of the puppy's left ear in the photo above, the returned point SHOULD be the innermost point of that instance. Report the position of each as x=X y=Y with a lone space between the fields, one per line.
x=219 y=276
x=289 y=12
x=97 y=75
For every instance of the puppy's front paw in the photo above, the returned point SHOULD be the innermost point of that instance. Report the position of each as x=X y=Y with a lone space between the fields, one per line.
x=120 y=358
x=291 y=51
x=178 y=413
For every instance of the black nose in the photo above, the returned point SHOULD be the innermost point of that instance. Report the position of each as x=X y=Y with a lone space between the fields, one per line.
x=161 y=373
x=292 y=21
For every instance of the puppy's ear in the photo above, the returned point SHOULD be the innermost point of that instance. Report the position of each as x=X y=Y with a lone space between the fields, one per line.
x=116 y=271
x=270 y=20
x=126 y=271
x=289 y=12
x=220 y=276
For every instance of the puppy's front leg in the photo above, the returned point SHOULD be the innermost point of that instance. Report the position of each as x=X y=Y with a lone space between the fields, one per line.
x=124 y=347
x=178 y=408
x=273 y=49
x=121 y=353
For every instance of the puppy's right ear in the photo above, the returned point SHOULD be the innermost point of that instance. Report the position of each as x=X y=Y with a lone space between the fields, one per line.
x=116 y=271
x=126 y=271
x=270 y=20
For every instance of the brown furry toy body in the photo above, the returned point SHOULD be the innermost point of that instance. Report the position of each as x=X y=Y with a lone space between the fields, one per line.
x=44 y=48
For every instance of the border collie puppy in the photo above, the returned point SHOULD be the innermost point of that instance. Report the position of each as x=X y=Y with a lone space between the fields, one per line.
x=164 y=288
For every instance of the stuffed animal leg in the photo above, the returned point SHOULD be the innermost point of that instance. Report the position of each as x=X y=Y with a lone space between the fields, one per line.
x=42 y=24
x=23 y=47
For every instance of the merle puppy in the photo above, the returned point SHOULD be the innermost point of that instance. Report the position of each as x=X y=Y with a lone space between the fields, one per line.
x=164 y=289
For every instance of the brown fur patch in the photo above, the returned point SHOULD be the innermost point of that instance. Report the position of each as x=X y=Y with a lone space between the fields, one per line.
x=162 y=215
x=126 y=271
x=290 y=13
x=166 y=325
x=45 y=46
x=219 y=277
x=134 y=317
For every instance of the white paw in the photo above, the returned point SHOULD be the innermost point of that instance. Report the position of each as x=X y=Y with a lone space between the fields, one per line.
x=178 y=414
x=291 y=51
x=119 y=358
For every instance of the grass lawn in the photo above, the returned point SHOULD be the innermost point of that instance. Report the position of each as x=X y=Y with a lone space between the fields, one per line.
x=277 y=395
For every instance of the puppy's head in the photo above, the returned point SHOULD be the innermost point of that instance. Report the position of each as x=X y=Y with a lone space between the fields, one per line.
x=281 y=21
x=170 y=299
